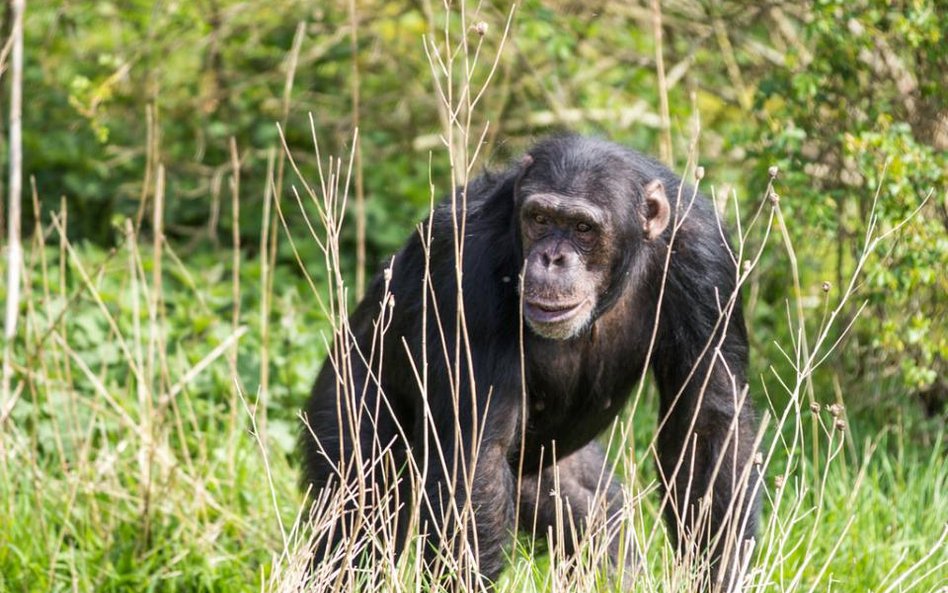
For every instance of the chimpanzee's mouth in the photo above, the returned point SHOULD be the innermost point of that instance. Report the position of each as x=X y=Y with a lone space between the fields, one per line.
x=547 y=312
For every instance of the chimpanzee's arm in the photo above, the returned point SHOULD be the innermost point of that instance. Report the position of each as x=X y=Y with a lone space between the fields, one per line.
x=469 y=478
x=706 y=424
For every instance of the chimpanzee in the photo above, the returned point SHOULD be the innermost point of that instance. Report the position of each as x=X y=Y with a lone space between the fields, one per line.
x=580 y=264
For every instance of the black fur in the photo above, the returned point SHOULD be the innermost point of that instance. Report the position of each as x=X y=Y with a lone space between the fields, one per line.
x=574 y=388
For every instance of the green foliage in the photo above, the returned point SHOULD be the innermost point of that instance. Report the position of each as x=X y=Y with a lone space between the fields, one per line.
x=857 y=124
x=206 y=73
x=102 y=505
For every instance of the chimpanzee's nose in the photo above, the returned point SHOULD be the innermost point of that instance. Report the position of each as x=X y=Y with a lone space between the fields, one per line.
x=551 y=258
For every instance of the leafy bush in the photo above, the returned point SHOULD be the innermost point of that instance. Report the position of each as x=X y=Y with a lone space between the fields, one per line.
x=859 y=117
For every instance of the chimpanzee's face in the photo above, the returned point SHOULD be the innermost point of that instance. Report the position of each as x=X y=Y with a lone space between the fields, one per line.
x=569 y=246
x=580 y=228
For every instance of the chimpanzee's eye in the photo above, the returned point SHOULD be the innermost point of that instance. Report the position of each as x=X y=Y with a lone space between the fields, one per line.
x=539 y=219
x=583 y=227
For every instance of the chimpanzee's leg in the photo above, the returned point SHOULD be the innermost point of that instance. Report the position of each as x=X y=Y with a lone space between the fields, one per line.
x=562 y=500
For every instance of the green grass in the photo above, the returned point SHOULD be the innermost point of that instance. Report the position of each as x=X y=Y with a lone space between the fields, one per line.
x=109 y=484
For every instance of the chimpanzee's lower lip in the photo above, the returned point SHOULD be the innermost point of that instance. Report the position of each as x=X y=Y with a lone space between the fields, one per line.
x=550 y=312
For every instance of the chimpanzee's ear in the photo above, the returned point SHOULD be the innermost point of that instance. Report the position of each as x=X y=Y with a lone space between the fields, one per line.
x=525 y=163
x=657 y=211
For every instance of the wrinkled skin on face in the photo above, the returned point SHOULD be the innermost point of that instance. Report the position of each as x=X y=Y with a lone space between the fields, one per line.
x=568 y=245
x=574 y=233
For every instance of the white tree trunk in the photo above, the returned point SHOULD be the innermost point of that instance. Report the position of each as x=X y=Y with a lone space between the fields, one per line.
x=14 y=248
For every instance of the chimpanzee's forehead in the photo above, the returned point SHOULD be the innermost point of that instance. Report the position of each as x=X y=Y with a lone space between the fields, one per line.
x=596 y=182
x=583 y=168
